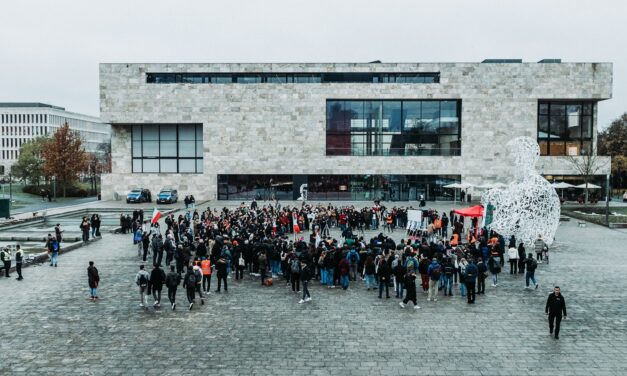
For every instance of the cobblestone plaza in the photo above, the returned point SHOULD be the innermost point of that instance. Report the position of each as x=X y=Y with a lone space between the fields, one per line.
x=50 y=327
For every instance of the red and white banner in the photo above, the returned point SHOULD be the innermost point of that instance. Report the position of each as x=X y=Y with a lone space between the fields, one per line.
x=156 y=214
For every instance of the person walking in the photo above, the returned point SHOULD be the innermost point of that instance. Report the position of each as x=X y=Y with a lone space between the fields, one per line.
x=305 y=277
x=142 y=278
x=157 y=278
x=198 y=275
x=189 y=282
x=410 y=286
x=93 y=279
x=353 y=260
x=469 y=280
x=221 y=267
x=369 y=269
x=344 y=270
x=494 y=262
x=5 y=256
x=512 y=254
x=19 y=259
x=449 y=269
x=295 y=274
x=531 y=265
x=434 y=272
x=555 y=306
x=482 y=274
x=53 y=250
x=172 y=281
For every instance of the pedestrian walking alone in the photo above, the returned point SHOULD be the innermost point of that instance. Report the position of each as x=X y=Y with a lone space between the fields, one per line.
x=142 y=278
x=93 y=278
x=19 y=259
x=555 y=306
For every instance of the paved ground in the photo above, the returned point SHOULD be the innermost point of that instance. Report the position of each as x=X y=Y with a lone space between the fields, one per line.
x=51 y=328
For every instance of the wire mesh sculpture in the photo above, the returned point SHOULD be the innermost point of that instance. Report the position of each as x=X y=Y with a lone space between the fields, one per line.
x=528 y=207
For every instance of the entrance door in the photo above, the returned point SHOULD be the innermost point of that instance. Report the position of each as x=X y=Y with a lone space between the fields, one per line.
x=400 y=191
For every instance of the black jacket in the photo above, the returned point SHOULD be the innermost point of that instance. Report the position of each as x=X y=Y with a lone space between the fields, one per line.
x=157 y=278
x=555 y=305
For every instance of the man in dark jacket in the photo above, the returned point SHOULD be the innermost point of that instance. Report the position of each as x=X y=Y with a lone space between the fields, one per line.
x=410 y=286
x=189 y=282
x=469 y=279
x=384 y=276
x=172 y=281
x=221 y=267
x=305 y=276
x=555 y=306
x=157 y=278
x=482 y=269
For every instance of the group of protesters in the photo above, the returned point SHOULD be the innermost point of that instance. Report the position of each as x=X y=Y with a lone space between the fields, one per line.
x=294 y=245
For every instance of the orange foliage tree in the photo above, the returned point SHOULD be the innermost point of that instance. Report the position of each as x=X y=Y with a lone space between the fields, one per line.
x=64 y=156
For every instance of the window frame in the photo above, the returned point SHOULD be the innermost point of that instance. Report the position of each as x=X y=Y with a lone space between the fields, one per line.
x=561 y=142
x=141 y=157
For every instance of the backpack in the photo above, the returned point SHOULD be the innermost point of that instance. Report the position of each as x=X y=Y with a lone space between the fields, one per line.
x=394 y=264
x=448 y=271
x=143 y=280
x=197 y=275
x=191 y=280
x=436 y=272
x=533 y=265
x=353 y=257
x=295 y=266
x=55 y=246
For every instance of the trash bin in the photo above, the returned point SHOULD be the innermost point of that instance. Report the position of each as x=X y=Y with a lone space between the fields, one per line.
x=5 y=208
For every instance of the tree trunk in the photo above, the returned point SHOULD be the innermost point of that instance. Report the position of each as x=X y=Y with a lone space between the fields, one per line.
x=64 y=186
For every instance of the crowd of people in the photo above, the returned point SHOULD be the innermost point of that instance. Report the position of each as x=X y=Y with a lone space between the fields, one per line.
x=294 y=245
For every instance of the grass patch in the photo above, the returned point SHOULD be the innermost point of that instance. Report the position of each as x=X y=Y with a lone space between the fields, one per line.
x=596 y=214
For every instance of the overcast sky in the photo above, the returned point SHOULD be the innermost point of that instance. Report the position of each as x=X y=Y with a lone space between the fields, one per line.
x=50 y=50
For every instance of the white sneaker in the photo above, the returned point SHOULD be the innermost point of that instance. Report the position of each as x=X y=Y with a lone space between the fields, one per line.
x=416 y=307
x=401 y=304
x=141 y=305
x=191 y=305
x=301 y=301
x=435 y=300
x=493 y=285
x=155 y=304
x=308 y=299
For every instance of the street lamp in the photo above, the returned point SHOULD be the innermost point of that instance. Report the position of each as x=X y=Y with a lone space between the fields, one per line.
x=10 y=191
x=607 y=199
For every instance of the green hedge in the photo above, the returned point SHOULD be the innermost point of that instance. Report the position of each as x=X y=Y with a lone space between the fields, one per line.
x=71 y=191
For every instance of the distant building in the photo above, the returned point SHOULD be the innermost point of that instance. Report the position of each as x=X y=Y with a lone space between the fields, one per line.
x=21 y=122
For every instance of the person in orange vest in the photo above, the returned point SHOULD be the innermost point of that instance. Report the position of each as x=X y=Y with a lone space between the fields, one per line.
x=455 y=239
x=388 y=223
x=205 y=267
x=437 y=225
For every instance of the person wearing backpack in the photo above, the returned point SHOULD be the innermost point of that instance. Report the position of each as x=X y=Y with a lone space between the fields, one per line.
x=295 y=274
x=189 y=282
x=93 y=279
x=172 y=281
x=449 y=270
x=434 y=272
x=157 y=278
x=53 y=250
x=470 y=278
x=142 y=278
x=494 y=262
x=344 y=270
x=353 y=259
x=532 y=265
x=198 y=277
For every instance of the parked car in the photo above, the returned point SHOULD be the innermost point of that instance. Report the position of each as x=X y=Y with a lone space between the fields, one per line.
x=138 y=195
x=167 y=196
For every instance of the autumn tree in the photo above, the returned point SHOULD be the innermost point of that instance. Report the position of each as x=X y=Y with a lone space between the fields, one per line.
x=64 y=156
x=30 y=164
x=613 y=142
x=587 y=165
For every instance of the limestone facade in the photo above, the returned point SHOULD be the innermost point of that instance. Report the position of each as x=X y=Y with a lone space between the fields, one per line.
x=280 y=128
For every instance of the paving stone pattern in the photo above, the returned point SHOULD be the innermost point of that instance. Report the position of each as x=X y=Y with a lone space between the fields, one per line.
x=51 y=328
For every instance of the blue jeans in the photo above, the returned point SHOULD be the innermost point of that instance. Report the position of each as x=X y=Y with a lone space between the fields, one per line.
x=323 y=276
x=373 y=224
x=495 y=278
x=399 y=289
x=53 y=258
x=530 y=276
x=462 y=289
x=370 y=281
x=330 y=276
x=448 y=284
x=93 y=291
x=228 y=267
x=93 y=232
x=344 y=281
x=276 y=266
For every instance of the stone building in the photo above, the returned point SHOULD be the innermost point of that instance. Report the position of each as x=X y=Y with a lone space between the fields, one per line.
x=343 y=131
x=22 y=121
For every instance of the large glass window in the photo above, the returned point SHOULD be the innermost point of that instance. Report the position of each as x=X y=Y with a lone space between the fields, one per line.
x=167 y=148
x=298 y=78
x=565 y=128
x=336 y=187
x=393 y=127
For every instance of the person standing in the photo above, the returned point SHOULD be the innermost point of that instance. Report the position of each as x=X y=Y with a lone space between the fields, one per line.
x=94 y=280
x=344 y=271
x=190 y=284
x=295 y=274
x=19 y=259
x=305 y=276
x=172 y=281
x=263 y=266
x=58 y=233
x=539 y=247
x=512 y=253
x=198 y=275
x=5 y=256
x=410 y=287
x=205 y=266
x=482 y=274
x=555 y=306
x=384 y=277
x=53 y=250
x=222 y=273
x=157 y=278
x=142 y=278
x=434 y=272
x=494 y=262
x=84 y=226
x=469 y=280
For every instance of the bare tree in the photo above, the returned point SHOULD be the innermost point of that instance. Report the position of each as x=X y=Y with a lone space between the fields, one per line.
x=587 y=165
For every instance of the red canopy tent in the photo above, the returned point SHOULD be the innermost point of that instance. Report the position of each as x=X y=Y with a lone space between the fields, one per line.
x=473 y=211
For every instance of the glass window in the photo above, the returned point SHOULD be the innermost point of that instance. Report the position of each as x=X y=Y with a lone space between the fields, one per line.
x=557 y=148
x=169 y=165
x=199 y=148
x=150 y=148
x=557 y=127
x=137 y=165
x=569 y=127
x=248 y=79
x=167 y=148
x=391 y=116
x=137 y=149
x=449 y=122
x=164 y=145
x=221 y=79
x=187 y=149
x=543 y=127
x=199 y=168
x=167 y=132
x=151 y=165
x=411 y=115
x=586 y=127
x=187 y=165
x=430 y=121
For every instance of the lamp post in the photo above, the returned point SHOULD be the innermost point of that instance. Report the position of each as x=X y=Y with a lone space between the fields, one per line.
x=54 y=187
x=607 y=200
x=10 y=190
